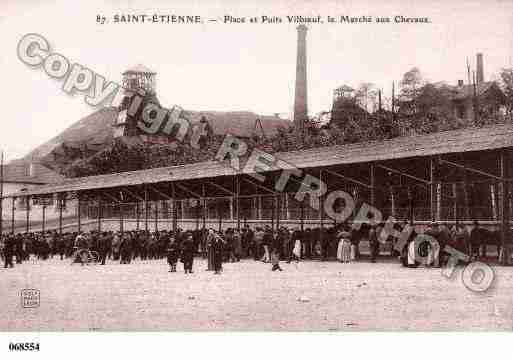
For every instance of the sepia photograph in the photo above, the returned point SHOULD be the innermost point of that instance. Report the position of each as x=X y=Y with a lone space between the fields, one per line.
x=243 y=166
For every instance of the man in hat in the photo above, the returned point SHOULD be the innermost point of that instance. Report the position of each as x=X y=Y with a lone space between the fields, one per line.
x=218 y=247
x=267 y=242
x=188 y=253
x=9 y=246
x=104 y=245
x=173 y=252
x=210 y=249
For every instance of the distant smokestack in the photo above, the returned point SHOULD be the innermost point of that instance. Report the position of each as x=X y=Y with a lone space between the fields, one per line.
x=480 y=68
x=300 y=97
x=468 y=72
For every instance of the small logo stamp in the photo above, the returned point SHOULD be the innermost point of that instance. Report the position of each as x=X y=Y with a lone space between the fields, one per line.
x=30 y=298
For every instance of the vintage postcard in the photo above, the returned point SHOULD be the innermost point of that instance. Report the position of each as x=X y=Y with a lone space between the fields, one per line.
x=284 y=166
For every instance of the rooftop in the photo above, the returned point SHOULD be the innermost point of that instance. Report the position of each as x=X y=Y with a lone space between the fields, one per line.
x=139 y=68
x=30 y=173
x=456 y=141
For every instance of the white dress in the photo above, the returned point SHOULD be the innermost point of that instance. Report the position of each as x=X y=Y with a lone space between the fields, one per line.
x=297 y=248
x=346 y=250
x=353 y=252
x=411 y=253
x=339 y=248
x=343 y=242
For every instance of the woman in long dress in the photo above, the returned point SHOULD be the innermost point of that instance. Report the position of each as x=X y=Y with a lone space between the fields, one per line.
x=346 y=250
x=339 y=247
x=218 y=248
x=411 y=254
x=296 y=251
x=344 y=246
x=352 y=251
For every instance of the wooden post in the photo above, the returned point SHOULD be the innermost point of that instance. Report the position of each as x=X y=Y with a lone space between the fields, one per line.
x=410 y=205
x=44 y=219
x=372 y=186
x=157 y=216
x=204 y=214
x=302 y=215
x=137 y=214
x=259 y=207
x=392 y=201
x=173 y=211
x=432 y=188
x=278 y=208
x=146 y=209
x=509 y=199
x=495 y=215
x=465 y=196
x=99 y=214
x=455 y=201
x=232 y=201
x=12 y=214
x=27 y=227
x=197 y=211
x=173 y=194
x=79 y=203
x=61 y=206
x=254 y=210
x=237 y=201
x=438 y=206
x=287 y=208
x=121 y=226
x=219 y=214
x=273 y=208
x=503 y=206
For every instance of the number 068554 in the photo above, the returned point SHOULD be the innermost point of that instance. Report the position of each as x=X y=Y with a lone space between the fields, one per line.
x=23 y=346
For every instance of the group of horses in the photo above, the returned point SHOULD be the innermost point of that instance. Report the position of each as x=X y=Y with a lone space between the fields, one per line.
x=481 y=238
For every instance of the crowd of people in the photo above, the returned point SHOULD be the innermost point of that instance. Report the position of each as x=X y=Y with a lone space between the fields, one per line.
x=341 y=242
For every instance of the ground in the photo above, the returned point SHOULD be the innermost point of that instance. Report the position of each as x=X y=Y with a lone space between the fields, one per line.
x=248 y=296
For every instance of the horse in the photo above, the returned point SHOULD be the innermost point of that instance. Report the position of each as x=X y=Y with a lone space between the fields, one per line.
x=480 y=238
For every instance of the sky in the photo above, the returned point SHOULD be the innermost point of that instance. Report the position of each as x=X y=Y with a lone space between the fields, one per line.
x=232 y=67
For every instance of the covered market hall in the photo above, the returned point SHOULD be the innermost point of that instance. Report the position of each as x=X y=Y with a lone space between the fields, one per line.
x=455 y=176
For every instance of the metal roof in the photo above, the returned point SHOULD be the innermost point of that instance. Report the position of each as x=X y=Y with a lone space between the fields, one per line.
x=30 y=173
x=455 y=141
x=445 y=142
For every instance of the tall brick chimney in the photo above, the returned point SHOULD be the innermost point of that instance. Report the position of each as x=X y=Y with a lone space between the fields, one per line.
x=300 y=96
x=480 y=68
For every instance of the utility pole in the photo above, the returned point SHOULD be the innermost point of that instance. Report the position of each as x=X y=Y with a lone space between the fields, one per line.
x=476 y=106
x=393 y=98
x=2 y=194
